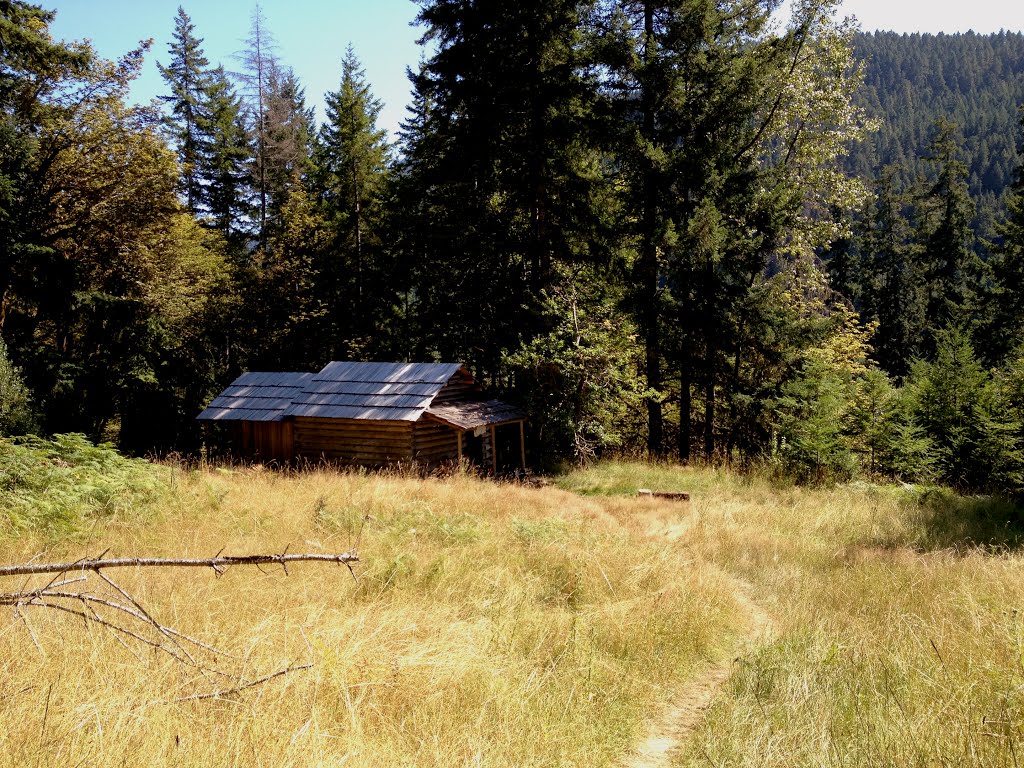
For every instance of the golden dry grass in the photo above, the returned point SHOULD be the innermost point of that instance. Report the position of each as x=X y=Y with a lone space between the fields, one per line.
x=501 y=625
x=898 y=622
x=490 y=625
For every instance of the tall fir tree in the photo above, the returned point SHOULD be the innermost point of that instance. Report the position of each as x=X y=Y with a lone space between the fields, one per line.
x=716 y=171
x=953 y=270
x=188 y=79
x=353 y=156
x=515 y=178
x=1005 y=330
x=892 y=281
x=258 y=60
x=287 y=145
x=409 y=217
x=225 y=153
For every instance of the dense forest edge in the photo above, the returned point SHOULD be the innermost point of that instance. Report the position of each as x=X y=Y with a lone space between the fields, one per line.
x=664 y=228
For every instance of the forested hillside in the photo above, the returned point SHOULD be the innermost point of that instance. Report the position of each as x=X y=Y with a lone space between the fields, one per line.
x=910 y=81
x=615 y=213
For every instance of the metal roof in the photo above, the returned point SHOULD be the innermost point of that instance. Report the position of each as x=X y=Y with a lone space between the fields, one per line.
x=373 y=391
x=342 y=390
x=257 y=396
x=470 y=415
x=395 y=373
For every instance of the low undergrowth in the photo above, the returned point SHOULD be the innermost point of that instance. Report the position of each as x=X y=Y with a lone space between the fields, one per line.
x=61 y=484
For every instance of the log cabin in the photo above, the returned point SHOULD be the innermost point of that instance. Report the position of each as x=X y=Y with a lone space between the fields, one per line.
x=372 y=415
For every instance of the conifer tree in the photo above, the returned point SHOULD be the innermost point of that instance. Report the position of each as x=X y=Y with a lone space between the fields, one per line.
x=718 y=166
x=1005 y=329
x=225 y=152
x=977 y=439
x=287 y=144
x=953 y=270
x=258 y=64
x=515 y=177
x=188 y=79
x=352 y=165
x=892 y=281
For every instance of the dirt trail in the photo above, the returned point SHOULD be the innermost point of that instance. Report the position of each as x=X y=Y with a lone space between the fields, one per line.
x=690 y=703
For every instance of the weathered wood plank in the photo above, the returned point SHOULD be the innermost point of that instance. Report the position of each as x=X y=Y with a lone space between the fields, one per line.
x=669 y=495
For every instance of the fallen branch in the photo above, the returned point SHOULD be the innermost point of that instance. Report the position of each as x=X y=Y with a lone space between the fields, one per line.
x=218 y=564
x=242 y=687
x=115 y=610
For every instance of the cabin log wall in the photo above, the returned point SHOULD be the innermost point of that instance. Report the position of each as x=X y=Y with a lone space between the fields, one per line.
x=433 y=442
x=263 y=440
x=459 y=387
x=351 y=441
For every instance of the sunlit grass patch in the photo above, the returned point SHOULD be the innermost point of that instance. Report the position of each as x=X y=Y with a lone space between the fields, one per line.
x=490 y=624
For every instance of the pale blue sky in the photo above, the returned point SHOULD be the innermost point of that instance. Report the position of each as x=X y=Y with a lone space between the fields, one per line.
x=312 y=34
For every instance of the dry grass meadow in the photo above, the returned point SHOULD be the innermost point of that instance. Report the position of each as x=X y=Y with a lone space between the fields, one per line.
x=502 y=625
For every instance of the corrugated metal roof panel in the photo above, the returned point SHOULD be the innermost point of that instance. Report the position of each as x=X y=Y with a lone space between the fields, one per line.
x=355 y=412
x=378 y=401
x=410 y=373
x=273 y=378
x=252 y=390
x=257 y=403
x=370 y=388
x=257 y=396
x=373 y=391
x=344 y=390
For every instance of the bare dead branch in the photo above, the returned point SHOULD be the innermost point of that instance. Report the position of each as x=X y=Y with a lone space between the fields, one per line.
x=140 y=611
x=218 y=564
x=238 y=689
x=92 y=617
x=117 y=611
x=27 y=598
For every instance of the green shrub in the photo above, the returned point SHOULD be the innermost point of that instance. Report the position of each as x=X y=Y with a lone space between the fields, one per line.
x=16 y=417
x=58 y=485
x=976 y=436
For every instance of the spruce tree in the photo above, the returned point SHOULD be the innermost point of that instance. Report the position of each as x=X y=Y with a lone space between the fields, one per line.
x=258 y=64
x=352 y=162
x=515 y=176
x=1005 y=330
x=892 y=281
x=225 y=152
x=714 y=173
x=953 y=270
x=287 y=144
x=188 y=79
x=976 y=436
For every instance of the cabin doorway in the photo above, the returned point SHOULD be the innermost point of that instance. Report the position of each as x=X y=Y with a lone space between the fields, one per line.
x=473 y=448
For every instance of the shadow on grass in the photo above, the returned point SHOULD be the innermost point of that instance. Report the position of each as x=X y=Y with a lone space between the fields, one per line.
x=945 y=520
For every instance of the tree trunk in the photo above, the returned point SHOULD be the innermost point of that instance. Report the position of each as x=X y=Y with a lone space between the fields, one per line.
x=649 y=256
x=709 y=400
x=685 y=403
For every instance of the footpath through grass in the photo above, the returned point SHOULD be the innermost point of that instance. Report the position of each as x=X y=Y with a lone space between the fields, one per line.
x=899 y=622
x=499 y=625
